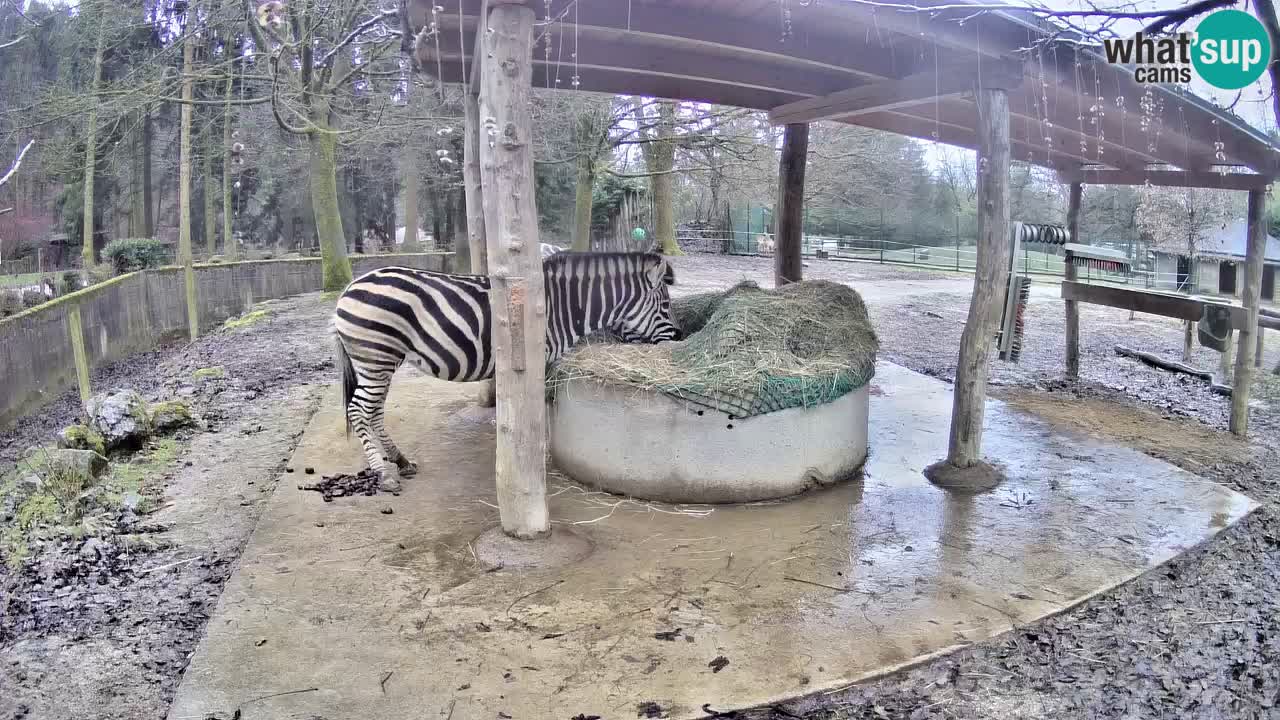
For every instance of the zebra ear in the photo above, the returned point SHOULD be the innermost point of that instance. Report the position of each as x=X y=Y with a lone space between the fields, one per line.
x=661 y=274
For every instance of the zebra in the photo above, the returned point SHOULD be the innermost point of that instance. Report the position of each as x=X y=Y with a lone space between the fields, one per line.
x=441 y=324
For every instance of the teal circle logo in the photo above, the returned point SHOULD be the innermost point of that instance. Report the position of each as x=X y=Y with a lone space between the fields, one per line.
x=1232 y=49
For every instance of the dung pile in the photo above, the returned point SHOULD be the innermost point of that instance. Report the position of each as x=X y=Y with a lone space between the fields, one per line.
x=748 y=351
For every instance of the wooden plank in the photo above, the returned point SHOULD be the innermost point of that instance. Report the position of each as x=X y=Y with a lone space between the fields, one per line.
x=1250 y=296
x=517 y=298
x=894 y=94
x=1180 y=307
x=1073 y=309
x=474 y=197
x=1168 y=178
x=658 y=55
x=965 y=448
x=790 y=217
x=865 y=54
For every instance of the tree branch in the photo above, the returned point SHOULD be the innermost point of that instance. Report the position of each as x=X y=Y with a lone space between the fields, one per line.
x=360 y=29
x=1181 y=15
x=12 y=42
x=16 y=164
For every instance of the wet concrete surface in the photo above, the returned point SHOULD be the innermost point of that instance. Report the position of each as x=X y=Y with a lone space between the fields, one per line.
x=680 y=609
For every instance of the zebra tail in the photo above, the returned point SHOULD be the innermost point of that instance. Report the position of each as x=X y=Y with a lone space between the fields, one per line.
x=348 y=379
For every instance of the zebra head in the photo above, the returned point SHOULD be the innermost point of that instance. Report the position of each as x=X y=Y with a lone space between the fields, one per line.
x=648 y=319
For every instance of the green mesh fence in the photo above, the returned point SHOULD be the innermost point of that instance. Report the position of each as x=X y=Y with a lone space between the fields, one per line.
x=748 y=351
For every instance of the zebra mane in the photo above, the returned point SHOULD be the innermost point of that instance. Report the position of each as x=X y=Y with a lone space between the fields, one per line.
x=568 y=259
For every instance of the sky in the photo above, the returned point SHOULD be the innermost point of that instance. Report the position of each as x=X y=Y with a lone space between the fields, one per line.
x=1254 y=105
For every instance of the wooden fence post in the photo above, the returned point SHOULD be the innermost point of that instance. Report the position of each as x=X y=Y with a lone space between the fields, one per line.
x=1073 y=308
x=515 y=266
x=75 y=330
x=787 y=264
x=1251 y=298
x=970 y=392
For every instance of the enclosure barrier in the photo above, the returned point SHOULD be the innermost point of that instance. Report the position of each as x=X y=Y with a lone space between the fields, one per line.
x=50 y=349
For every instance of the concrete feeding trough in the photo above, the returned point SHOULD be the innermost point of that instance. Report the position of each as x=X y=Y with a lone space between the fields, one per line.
x=649 y=445
x=767 y=397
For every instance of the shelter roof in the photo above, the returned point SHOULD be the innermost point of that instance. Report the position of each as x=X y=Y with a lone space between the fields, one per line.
x=884 y=65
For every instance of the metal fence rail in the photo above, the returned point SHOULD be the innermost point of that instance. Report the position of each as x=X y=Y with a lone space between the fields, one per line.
x=957 y=257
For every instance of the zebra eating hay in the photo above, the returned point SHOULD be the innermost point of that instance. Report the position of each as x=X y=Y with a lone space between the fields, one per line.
x=442 y=325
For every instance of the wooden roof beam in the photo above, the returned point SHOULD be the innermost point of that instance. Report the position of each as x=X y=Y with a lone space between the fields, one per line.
x=895 y=94
x=1167 y=178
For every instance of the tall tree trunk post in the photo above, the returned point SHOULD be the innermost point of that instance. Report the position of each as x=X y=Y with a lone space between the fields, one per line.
x=229 y=245
x=324 y=204
x=965 y=449
x=515 y=265
x=91 y=148
x=1071 y=275
x=1251 y=298
x=662 y=180
x=581 y=241
x=585 y=183
x=473 y=189
x=787 y=265
x=474 y=192
x=458 y=232
x=412 y=221
x=149 y=210
x=210 y=190
x=184 y=186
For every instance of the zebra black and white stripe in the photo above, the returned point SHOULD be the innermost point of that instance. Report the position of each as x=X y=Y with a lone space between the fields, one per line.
x=441 y=324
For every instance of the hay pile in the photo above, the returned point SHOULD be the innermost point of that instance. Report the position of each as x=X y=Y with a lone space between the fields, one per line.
x=748 y=351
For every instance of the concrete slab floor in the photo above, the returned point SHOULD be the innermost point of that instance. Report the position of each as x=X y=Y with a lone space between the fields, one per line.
x=675 y=609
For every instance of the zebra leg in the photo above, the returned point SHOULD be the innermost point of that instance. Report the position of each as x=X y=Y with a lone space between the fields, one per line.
x=403 y=464
x=364 y=414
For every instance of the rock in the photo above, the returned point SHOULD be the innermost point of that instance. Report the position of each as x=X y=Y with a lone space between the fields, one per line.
x=131 y=501
x=85 y=465
x=120 y=417
x=93 y=549
x=171 y=415
x=82 y=437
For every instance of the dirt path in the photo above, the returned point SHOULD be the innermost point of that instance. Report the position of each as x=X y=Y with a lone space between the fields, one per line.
x=107 y=637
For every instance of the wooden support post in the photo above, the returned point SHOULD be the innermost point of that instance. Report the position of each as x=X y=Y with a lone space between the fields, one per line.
x=1073 y=309
x=75 y=330
x=474 y=191
x=1257 y=357
x=970 y=391
x=1251 y=298
x=1224 y=361
x=517 y=296
x=787 y=265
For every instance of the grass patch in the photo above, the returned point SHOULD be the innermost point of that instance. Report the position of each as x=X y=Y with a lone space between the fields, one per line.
x=250 y=318
x=23 y=280
x=63 y=506
x=330 y=295
x=217 y=371
x=143 y=476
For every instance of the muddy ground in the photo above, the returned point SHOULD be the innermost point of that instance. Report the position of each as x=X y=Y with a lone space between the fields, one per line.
x=107 y=634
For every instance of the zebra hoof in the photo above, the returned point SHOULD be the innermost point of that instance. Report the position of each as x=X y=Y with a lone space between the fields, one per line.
x=407 y=468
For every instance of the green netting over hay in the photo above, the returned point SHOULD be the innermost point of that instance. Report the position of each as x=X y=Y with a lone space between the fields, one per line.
x=748 y=351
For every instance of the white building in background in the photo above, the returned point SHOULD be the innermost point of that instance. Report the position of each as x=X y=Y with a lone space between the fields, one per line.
x=424 y=239
x=1218 y=265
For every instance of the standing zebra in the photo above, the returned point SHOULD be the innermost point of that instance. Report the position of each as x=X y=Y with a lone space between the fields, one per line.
x=442 y=325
